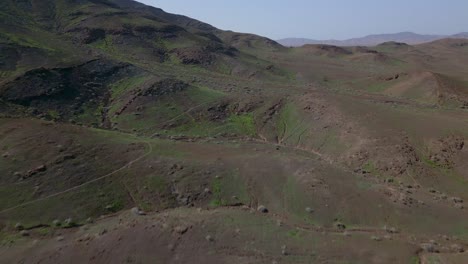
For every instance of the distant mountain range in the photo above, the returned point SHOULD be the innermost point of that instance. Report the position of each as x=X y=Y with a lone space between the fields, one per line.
x=372 y=40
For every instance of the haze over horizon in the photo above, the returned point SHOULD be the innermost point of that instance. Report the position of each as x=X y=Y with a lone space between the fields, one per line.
x=335 y=19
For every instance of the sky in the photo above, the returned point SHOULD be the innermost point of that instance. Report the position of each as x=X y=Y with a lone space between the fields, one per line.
x=325 y=19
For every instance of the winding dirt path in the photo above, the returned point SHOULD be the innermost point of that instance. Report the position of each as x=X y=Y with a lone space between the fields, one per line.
x=150 y=150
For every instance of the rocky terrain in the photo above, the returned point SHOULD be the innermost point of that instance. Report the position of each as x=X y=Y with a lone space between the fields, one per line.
x=131 y=135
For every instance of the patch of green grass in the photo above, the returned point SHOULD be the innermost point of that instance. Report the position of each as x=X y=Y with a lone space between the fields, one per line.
x=203 y=94
x=415 y=260
x=53 y=114
x=244 y=124
x=294 y=233
x=289 y=123
x=8 y=238
x=11 y=195
x=433 y=259
x=43 y=231
x=224 y=188
x=106 y=44
x=151 y=118
x=122 y=86
x=156 y=183
x=434 y=164
x=430 y=162
x=91 y=114
x=115 y=206
x=293 y=128
x=23 y=40
x=110 y=137
x=372 y=169
x=217 y=191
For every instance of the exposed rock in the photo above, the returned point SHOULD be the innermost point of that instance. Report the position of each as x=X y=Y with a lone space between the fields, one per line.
x=209 y=238
x=24 y=233
x=340 y=225
x=69 y=223
x=428 y=247
x=309 y=210
x=194 y=56
x=19 y=226
x=284 y=250
x=36 y=170
x=88 y=35
x=64 y=158
x=391 y=230
x=61 y=93
x=164 y=87
x=262 y=209
x=457 y=248
x=181 y=229
x=137 y=211
x=444 y=150
x=56 y=223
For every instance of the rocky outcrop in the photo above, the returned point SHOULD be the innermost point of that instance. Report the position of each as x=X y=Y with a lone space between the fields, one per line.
x=62 y=92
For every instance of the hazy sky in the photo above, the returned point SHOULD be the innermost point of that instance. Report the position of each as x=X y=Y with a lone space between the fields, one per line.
x=324 y=19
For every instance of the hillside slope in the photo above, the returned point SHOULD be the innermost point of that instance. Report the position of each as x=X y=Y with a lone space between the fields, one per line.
x=128 y=134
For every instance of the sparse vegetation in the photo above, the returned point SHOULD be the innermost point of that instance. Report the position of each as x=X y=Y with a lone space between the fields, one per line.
x=249 y=150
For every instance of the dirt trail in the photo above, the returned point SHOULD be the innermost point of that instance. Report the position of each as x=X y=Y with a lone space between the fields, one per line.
x=182 y=114
x=150 y=150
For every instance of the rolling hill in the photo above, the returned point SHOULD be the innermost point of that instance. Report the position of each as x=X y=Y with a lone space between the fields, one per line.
x=371 y=40
x=131 y=135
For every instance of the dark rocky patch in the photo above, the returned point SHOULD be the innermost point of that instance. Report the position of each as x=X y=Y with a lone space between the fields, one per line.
x=194 y=56
x=205 y=55
x=12 y=54
x=360 y=49
x=165 y=32
x=215 y=47
x=219 y=111
x=64 y=91
x=444 y=150
x=334 y=49
x=394 y=44
x=105 y=2
x=9 y=56
x=88 y=35
x=163 y=87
